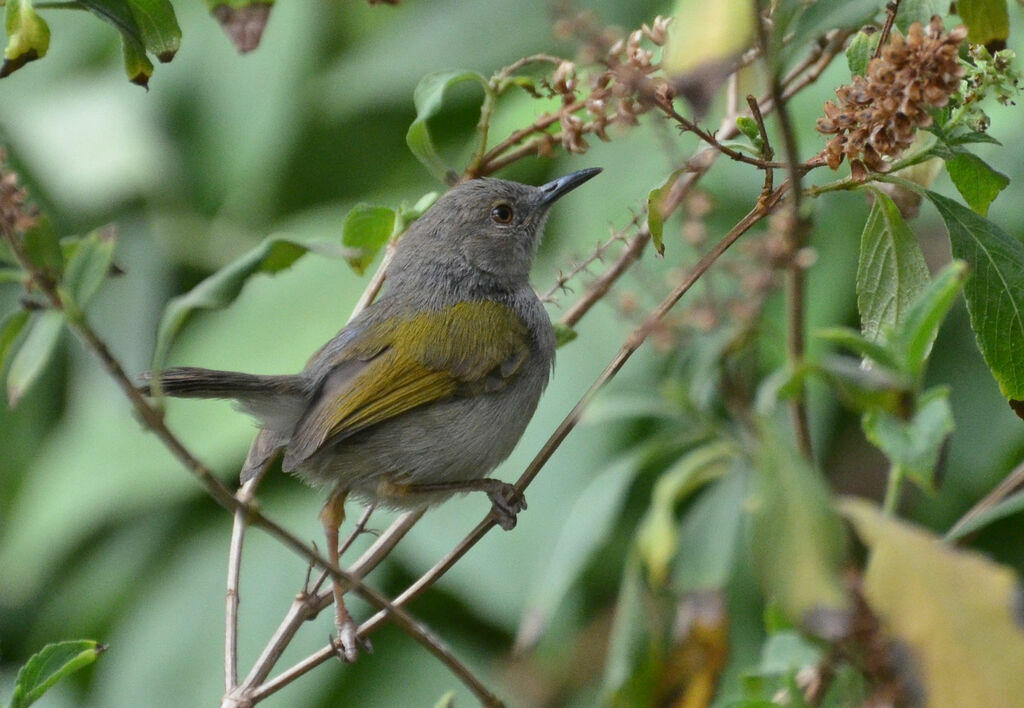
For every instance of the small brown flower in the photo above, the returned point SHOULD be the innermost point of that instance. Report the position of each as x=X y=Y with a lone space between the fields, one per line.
x=876 y=116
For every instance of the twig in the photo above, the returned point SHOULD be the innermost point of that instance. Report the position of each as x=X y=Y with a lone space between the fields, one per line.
x=1010 y=484
x=797 y=226
x=766 y=148
x=599 y=287
x=599 y=253
x=890 y=16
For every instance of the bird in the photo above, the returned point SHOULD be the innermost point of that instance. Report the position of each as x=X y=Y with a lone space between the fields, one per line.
x=422 y=394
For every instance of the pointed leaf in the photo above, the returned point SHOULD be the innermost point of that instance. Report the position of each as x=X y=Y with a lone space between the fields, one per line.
x=995 y=290
x=48 y=666
x=28 y=36
x=1013 y=504
x=34 y=354
x=977 y=183
x=857 y=343
x=915 y=339
x=428 y=99
x=891 y=271
x=220 y=289
x=956 y=612
x=89 y=265
x=11 y=327
x=366 y=230
x=150 y=23
x=706 y=551
x=797 y=538
x=860 y=50
x=915 y=445
x=656 y=211
x=656 y=537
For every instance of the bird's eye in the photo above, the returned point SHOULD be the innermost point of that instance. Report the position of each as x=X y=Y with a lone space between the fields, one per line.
x=502 y=214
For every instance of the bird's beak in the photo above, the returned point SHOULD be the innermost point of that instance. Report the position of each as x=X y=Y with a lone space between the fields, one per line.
x=563 y=185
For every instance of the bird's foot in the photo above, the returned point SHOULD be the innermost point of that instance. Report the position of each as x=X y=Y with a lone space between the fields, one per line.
x=348 y=642
x=506 y=503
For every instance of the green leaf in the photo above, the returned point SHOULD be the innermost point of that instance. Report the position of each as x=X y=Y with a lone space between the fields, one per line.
x=220 y=289
x=860 y=50
x=987 y=20
x=145 y=26
x=914 y=445
x=34 y=353
x=28 y=36
x=11 y=327
x=946 y=607
x=911 y=11
x=51 y=664
x=629 y=641
x=1013 y=504
x=866 y=387
x=914 y=340
x=587 y=525
x=995 y=290
x=89 y=265
x=656 y=537
x=977 y=183
x=748 y=126
x=860 y=345
x=428 y=99
x=366 y=230
x=43 y=247
x=158 y=27
x=656 y=211
x=151 y=23
x=563 y=334
x=136 y=64
x=891 y=271
x=797 y=538
x=705 y=553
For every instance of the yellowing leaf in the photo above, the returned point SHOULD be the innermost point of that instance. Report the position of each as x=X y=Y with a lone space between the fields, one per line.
x=956 y=611
x=28 y=36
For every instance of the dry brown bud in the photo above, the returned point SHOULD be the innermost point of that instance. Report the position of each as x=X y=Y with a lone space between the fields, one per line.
x=876 y=115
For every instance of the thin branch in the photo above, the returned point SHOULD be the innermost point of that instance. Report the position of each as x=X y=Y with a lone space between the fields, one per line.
x=890 y=17
x=1013 y=482
x=797 y=226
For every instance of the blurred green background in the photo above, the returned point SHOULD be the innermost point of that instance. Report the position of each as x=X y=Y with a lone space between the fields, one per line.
x=103 y=536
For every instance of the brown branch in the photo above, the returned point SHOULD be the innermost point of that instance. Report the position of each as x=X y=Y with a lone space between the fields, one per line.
x=1011 y=483
x=797 y=227
x=890 y=17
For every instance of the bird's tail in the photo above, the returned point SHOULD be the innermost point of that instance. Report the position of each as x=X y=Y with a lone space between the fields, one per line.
x=277 y=401
x=193 y=382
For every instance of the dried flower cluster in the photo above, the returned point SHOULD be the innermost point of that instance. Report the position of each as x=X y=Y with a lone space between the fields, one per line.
x=877 y=114
x=616 y=95
x=15 y=216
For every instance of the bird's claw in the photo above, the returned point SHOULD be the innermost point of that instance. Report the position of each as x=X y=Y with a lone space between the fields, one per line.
x=506 y=503
x=347 y=643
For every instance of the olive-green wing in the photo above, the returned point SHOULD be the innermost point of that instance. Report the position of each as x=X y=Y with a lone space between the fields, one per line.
x=403 y=363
